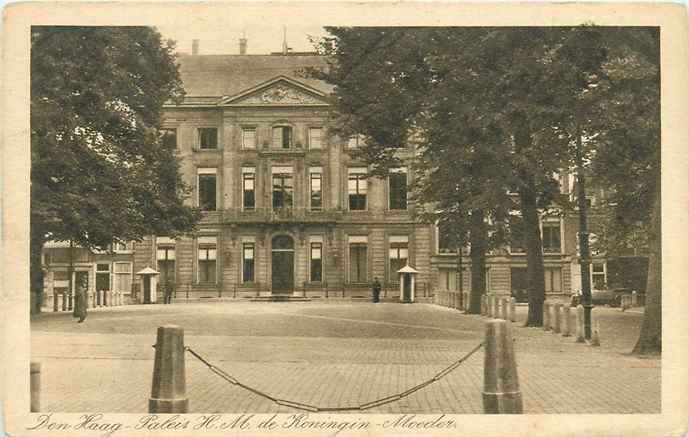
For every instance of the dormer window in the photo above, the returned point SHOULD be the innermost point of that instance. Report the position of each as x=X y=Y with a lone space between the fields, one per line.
x=282 y=137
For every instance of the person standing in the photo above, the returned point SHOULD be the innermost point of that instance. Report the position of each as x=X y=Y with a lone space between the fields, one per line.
x=168 y=292
x=80 y=300
x=376 y=290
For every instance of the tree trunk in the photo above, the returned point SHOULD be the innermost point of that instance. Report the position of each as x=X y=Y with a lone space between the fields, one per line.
x=535 y=281
x=36 y=270
x=650 y=337
x=478 y=260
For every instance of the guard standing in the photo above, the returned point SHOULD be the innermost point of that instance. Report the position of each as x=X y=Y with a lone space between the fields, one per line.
x=168 y=292
x=80 y=301
x=376 y=290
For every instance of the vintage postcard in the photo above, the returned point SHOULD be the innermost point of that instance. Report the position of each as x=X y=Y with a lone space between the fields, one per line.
x=345 y=219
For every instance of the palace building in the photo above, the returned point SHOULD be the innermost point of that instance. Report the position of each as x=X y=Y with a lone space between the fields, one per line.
x=288 y=209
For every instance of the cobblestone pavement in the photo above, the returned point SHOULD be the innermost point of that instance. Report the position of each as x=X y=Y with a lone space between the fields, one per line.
x=334 y=354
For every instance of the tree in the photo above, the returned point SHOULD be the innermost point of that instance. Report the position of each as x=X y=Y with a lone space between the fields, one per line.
x=627 y=157
x=100 y=171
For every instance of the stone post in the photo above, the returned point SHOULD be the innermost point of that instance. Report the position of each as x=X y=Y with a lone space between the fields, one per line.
x=168 y=392
x=546 y=315
x=35 y=383
x=557 y=308
x=580 y=324
x=501 y=394
x=513 y=307
x=566 y=321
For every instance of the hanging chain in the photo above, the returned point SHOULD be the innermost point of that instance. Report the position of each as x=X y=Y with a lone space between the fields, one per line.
x=306 y=407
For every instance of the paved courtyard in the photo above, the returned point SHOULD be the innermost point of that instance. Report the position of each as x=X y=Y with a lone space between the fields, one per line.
x=333 y=354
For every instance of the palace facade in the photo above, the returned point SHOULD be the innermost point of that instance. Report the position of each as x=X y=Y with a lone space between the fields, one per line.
x=288 y=209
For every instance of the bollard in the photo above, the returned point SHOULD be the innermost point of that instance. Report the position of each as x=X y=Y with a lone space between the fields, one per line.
x=595 y=328
x=566 y=329
x=556 y=319
x=496 y=307
x=580 y=324
x=120 y=296
x=168 y=392
x=546 y=315
x=483 y=305
x=35 y=383
x=635 y=298
x=54 y=301
x=505 y=307
x=501 y=394
x=513 y=313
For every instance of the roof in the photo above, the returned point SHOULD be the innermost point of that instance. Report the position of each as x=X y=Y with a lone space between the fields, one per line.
x=407 y=269
x=229 y=75
x=147 y=271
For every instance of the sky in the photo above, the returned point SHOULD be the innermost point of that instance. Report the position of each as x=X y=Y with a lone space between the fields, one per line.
x=262 y=38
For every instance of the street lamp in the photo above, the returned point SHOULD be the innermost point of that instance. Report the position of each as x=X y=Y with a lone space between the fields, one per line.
x=584 y=252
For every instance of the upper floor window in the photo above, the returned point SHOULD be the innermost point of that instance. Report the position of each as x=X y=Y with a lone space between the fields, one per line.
x=283 y=187
x=356 y=188
x=446 y=241
x=355 y=141
x=398 y=189
x=316 y=186
x=248 y=188
x=165 y=254
x=121 y=247
x=208 y=138
x=551 y=236
x=315 y=138
x=282 y=137
x=517 y=243
x=169 y=137
x=248 y=138
x=207 y=189
x=553 y=280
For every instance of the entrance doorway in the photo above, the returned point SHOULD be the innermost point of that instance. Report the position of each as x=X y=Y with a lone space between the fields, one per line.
x=282 y=264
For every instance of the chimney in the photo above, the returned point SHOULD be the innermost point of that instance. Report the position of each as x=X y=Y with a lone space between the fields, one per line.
x=195 y=47
x=242 y=45
x=285 y=48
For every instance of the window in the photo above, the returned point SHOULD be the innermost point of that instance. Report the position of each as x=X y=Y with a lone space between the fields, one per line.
x=165 y=255
x=282 y=137
x=315 y=138
x=248 y=254
x=207 y=189
x=447 y=279
x=355 y=141
x=283 y=187
x=551 y=237
x=356 y=188
x=169 y=138
x=248 y=188
x=553 y=280
x=516 y=234
x=357 y=263
x=208 y=138
x=398 y=189
x=207 y=249
x=316 y=267
x=123 y=276
x=316 y=184
x=102 y=276
x=120 y=247
x=598 y=275
x=446 y=241
x=399 y=253
x=249 y=138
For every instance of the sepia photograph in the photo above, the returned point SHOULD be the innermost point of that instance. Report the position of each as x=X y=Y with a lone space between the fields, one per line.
x=321 y=226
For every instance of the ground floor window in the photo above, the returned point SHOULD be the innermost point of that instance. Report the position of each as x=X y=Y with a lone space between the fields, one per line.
x=207 y=253
x=316 y=267
x=248 y=260
x=102 y=276
x=165 y=254
x=122 y=276
x=399 y=253
x=358 y=260
x=553 y=280
x=447 y=279
x=598 y=275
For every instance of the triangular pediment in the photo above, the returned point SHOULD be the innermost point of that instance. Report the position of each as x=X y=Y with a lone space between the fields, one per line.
x=280 y=91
